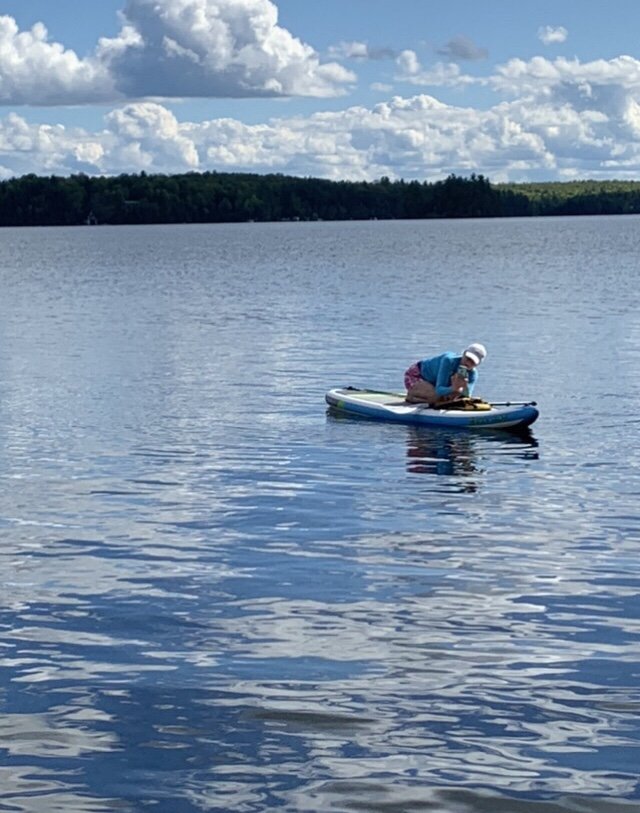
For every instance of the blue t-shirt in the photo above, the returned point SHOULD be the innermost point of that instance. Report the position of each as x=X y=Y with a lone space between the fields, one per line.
x=439 y=370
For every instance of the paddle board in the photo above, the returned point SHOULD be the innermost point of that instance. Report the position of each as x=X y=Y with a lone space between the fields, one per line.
x=389 y=406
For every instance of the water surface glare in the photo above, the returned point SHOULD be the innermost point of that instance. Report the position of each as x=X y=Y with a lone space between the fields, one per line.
x=217 y=596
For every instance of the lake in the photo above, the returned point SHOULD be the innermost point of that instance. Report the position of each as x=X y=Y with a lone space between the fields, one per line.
x=215 y=596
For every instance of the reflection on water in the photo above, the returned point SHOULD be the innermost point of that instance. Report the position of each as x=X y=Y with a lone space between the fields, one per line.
x=442 y=453
x=213 y=597
x=454 y=453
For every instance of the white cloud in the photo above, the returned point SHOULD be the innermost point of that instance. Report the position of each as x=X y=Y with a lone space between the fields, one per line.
x=44 y=148
x=169 y=49
x=541 y=75
x=381 y=87
x=552 y=118
x=549 y=35
x=349 y=50
x=607 y=88
x=412 y=138
x=360 y=51
x=419 y=137
x=148 y=136
x=36 y=71
x=408 y=63
x=233 y=48
x=439 y=75
x=89 y=152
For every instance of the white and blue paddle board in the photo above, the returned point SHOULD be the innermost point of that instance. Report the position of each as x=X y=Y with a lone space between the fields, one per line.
x=389 y=406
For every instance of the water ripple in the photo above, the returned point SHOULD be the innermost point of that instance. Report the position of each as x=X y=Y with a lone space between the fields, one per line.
x=215 y=596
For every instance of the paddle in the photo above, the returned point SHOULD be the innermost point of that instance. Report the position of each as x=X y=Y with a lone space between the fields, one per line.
x=513 y=403
x=398 y=395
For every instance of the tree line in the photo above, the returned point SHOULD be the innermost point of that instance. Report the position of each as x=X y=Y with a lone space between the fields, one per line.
x=213 y=197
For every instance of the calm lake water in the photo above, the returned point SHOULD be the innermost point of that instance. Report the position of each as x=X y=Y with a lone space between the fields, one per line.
x=216 y=597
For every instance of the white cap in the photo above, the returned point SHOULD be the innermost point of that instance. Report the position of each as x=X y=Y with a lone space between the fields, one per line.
x=476 y=352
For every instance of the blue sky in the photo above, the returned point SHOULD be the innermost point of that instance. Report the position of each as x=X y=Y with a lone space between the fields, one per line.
x=342 y=89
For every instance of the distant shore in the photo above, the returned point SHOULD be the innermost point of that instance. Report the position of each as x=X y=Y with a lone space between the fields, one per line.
x=213 y=197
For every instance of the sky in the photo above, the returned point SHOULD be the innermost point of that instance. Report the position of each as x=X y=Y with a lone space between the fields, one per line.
x=339 y=89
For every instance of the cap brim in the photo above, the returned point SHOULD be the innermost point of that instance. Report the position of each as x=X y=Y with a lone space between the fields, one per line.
x=475 y=359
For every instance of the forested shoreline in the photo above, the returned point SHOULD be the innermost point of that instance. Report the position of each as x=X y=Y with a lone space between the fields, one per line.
x=213 y=197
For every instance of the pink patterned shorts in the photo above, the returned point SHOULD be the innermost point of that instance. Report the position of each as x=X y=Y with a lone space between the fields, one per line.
x=412 y=376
